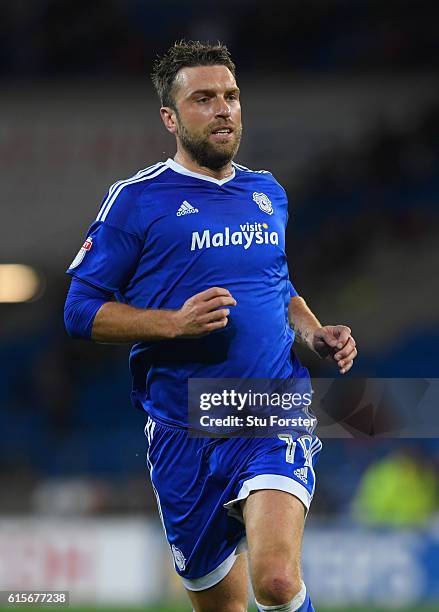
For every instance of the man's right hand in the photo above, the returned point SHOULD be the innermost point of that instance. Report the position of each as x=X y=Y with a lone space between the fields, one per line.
x=203 y=313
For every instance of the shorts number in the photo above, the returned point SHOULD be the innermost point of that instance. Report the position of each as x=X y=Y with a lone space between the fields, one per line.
x=291 y=447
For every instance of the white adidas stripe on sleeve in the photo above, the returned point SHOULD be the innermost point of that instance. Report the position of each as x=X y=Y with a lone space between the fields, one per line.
x=130 y=178
x=112 y=198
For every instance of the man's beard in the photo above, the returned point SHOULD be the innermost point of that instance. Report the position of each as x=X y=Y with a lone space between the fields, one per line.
x=208 y=154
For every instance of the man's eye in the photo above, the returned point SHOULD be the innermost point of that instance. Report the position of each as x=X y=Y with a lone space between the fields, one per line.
x=203 y=100
x=232 y=97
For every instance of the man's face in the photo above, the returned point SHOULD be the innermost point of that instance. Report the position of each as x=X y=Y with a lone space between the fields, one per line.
x=208 y=114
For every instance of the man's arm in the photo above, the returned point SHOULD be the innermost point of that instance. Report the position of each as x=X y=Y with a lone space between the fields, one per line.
x=89 y=315
x=332 y=342
x=200 y=314
x=116 y=322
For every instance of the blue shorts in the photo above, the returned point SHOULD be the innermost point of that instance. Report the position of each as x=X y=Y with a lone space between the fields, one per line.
x=199 y=483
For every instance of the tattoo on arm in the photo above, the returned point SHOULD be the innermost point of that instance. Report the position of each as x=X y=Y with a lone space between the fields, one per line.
x=301 y=334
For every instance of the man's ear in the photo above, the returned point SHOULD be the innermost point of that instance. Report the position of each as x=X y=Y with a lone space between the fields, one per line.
x=169 y=118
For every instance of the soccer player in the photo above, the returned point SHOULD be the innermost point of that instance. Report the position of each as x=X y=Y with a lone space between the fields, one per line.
x=192 y=248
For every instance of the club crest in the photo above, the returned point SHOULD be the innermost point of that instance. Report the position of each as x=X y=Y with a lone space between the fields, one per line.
x=264 y=202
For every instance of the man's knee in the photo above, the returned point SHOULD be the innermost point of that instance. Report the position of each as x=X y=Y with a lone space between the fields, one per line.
x=276 y=587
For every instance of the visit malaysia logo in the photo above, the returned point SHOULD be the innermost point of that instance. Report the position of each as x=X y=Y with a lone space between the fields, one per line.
x=247 y=235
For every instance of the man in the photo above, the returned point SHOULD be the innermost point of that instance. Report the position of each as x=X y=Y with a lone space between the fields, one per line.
x=193 y=250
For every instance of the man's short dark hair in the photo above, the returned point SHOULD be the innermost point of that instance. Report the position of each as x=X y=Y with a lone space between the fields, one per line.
x=185 y=54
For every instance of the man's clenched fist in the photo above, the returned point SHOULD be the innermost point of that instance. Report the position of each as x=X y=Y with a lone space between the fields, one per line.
x=334 y=342
x=203 y=313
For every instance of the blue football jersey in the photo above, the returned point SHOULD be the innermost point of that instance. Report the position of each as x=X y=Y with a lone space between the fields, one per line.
x=168 y=233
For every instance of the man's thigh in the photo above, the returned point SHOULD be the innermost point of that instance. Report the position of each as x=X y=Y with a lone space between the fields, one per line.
x=274 y=522
x=229 y=595
x=191 y=492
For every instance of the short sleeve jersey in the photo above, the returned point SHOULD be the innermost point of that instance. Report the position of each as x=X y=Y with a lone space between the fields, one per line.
x=168 y=233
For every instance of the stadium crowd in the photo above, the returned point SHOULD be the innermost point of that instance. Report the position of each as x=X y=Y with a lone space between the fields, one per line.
x=120 y=37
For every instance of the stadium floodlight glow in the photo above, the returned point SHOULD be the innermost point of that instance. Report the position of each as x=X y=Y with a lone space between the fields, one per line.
x=18 y=283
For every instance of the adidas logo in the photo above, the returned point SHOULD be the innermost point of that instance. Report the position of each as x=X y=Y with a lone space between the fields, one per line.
x=186 y=209
x=302 y=473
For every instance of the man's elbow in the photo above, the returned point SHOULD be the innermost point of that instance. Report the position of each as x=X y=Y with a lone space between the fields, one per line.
x=80 y=309
x=297 y=300
x=76 y=324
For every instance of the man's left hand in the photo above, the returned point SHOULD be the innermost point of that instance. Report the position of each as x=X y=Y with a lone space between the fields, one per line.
x=335 y=343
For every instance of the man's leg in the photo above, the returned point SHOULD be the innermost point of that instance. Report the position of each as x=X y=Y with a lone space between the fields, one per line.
x=274 y=522
x=229 y=595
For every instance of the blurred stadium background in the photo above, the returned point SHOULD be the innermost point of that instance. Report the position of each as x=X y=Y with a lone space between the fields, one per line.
x=341 y=102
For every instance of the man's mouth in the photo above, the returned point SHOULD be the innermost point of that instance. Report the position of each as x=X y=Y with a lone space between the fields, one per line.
x=222 y=131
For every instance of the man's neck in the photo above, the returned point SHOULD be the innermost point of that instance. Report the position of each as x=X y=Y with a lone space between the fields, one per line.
x=187 y=162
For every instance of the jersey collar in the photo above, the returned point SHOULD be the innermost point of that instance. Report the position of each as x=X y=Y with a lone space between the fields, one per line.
x=182 y=170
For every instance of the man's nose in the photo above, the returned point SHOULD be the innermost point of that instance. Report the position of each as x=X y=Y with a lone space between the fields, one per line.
x=222 y=108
